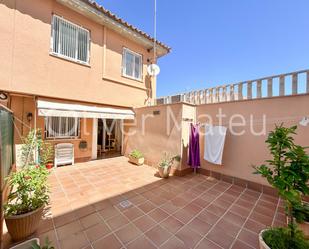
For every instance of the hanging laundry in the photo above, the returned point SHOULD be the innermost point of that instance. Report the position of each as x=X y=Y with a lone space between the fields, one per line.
x=194 y=147
x=214 y=143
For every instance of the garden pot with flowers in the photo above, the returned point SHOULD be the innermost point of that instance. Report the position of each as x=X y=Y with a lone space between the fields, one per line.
x=136 y=157
x=29 y=192
x=165 y=165
x=288 y=172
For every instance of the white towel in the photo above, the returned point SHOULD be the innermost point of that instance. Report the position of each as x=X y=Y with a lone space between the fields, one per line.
x=214 y=143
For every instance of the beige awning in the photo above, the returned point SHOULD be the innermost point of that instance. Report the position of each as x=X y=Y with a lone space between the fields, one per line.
x=57 y=109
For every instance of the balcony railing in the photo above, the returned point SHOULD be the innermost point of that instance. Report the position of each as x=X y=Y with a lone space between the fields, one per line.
x=277 y=85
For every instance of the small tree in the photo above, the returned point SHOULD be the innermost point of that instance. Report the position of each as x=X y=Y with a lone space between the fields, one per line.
x=287 y=171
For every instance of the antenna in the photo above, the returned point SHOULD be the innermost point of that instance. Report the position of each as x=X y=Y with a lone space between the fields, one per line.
x=155 y=32
x=154 y=69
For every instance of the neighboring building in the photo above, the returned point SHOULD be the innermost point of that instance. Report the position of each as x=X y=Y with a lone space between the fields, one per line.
x=67 y=64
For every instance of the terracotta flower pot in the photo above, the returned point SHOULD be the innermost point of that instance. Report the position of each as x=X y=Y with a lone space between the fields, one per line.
x=27 y=244
x=261 y=241
x=164 y=172
x=21 y=226
x=137 y=161
x=49 y=165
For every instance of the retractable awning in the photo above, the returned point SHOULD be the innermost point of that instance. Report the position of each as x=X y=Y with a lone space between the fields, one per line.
x=57 y=109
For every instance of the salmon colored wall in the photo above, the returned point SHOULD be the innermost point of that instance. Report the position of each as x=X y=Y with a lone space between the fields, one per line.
x=22 y=105
x=241 y=152
x=157 y=138
x=27 y=67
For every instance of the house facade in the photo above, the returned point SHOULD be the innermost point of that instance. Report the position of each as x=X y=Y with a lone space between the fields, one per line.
x=74 y=70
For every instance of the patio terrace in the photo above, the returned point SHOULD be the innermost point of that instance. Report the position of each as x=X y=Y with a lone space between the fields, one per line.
x=193 y=211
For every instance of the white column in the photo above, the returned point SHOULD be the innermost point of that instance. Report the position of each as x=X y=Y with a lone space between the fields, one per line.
x=94 y=138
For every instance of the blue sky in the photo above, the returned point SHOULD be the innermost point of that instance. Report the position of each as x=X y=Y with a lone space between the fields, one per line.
x=216 y=42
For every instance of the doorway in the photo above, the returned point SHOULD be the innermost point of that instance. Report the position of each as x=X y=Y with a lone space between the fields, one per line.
x=109 y=139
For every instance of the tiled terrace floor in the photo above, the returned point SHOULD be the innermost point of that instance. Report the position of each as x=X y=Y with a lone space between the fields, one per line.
x=181 y=212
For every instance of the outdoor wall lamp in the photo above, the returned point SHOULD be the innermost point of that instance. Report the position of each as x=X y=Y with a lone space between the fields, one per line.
x=29 y=116
x=3 y=96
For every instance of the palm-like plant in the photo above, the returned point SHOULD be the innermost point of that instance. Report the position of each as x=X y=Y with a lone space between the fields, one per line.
x=287 y=171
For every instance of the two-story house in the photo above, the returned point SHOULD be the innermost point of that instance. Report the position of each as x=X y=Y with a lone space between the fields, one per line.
x=74 y=70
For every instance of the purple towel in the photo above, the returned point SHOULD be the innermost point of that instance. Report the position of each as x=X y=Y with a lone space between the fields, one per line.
x=194 y=147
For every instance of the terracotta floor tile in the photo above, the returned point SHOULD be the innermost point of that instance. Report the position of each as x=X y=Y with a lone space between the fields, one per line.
x=108 y=212
x=192 y=208
x=90 y=220
x=173 y=243
x=241 y=245
x=141 y=243
x=200 y=202
x=84 y=211
x=230 y=228
x=128 y=233
x=216 y=210
x=189 y=237
x=207 y=244
x=109 y=242
x=133 y=213
x=243 y=212
x=171 y=224
x=183 y=215
x=146 y=207
x=264 y=210
x=265 y=220
x=222 y=203
x=117 y=222
x=244 y=204
x=102 y=205
x=220 y=237
x=169 y=208
x=208 y=217
x=74 y=241
x=85 y=201
x=249 y=238
x=179 y=202
x=158 y=235
x=158 y=215
x=199 y=226
x=234 y=218
x=144 y=223
x=97 y=231
x=68 y=229
x=253 y=226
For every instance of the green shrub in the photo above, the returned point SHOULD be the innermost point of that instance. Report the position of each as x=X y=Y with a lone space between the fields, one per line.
x=280 y=238
x=301 y=212
x=136 y=154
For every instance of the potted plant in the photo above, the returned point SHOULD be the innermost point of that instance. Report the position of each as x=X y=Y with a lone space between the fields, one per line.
x=164 y=166
x=288 y=172
x=34 y=244
x=46 y=155
x=136 y=157
x=28 y=193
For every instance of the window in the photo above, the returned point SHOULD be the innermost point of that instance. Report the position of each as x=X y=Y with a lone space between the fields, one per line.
x=132 y=64
x=61 y=127
x=70 y=40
